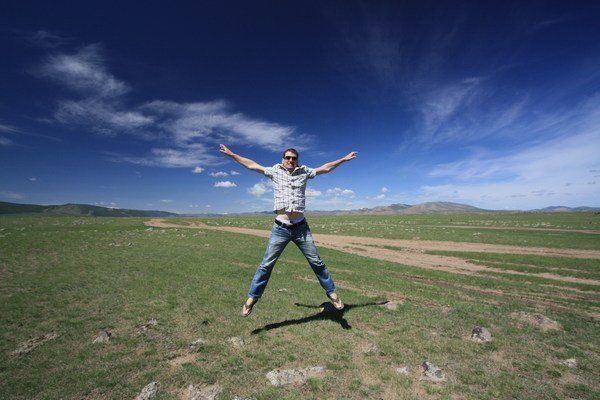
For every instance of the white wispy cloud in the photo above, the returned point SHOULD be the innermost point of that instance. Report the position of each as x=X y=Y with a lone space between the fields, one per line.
x=380 y=197
x=102 y=107
x=234 y=173
x=190 y=156
x=8 y=128
x=219 y=174
x=216 y=122
x=440 y=104
x=84 y=72
x=46 y=39
x=310 y=192
x=261 y=188
x=103 y=117
x=339 y=192
x=167 y=201
x=197 y=170
x=545 y=172
x=225 y=184
x=384 y=189
x=109 y=204
x=32 y=179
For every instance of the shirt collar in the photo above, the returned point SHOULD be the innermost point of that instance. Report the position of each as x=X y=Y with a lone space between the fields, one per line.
x=286 y=170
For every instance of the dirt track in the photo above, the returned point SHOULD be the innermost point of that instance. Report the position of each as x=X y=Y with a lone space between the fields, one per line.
x=412 y=252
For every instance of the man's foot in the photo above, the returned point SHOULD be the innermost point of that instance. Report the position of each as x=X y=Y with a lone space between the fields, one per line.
x=337 y=302
x=247 y=307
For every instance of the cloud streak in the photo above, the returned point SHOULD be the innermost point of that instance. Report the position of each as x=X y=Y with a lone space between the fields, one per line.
x=83 y=72
x=557 y=170
x=185 y=130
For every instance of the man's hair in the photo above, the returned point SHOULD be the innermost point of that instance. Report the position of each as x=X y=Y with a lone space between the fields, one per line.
x=291 y=151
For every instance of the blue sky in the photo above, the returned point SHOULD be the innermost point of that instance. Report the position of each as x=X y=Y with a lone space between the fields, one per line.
x=124 y=104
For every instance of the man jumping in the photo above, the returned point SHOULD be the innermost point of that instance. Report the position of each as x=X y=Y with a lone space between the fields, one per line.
x=289 y=183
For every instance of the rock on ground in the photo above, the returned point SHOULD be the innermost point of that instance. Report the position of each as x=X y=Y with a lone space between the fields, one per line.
x=543 y=322
x=371 y=348
x=32 y=343
x=149 y=392
x=433 y=373
x=280 y=377
x=202 y=392
x=481 y=335
x=151 y=323
x=402 y=371
x=393 y=304
x=236 y=342
x=196 y=344
x=571 y=363
x=103 y=337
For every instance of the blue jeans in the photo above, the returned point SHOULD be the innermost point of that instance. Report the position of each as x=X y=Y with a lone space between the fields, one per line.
x=280 y=237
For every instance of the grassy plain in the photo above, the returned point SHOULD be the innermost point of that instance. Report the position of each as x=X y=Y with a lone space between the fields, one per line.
x=79 y=276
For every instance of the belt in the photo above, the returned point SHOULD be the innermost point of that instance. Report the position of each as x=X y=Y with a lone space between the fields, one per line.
x=290 y=226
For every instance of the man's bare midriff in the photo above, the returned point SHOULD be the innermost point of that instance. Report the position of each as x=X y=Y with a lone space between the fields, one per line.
x=289 y=215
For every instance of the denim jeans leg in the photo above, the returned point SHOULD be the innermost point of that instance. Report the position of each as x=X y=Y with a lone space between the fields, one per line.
x=303 y=239
x=279 y=238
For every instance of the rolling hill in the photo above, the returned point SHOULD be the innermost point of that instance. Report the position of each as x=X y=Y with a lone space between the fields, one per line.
x=77 y=210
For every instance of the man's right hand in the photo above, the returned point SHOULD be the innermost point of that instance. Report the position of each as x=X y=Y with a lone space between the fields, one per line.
x=223 y=149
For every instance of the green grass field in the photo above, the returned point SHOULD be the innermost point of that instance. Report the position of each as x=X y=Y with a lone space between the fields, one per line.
x=78 y=276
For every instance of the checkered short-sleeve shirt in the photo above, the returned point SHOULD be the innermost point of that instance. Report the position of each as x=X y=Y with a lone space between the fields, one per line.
x=289 y=188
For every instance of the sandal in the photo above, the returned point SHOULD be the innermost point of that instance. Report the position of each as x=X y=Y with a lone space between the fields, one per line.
x=247 y=308
x=337 y=302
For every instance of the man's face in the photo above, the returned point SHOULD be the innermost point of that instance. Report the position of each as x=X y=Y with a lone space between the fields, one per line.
x=290 y=160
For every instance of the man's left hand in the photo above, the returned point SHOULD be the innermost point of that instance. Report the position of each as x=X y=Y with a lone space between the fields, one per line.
x=351 y=156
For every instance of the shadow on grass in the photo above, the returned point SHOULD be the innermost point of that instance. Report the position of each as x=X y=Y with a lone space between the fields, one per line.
x=327 y=312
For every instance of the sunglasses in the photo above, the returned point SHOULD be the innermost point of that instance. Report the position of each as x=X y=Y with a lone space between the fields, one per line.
x=291 y=158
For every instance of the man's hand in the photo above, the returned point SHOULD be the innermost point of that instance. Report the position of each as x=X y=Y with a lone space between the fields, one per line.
x=246 y=162
x=350 y=156
x=223 y=149
x=330 y=166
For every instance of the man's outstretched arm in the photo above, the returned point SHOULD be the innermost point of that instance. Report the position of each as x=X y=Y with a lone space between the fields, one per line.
x=330 y=166
x=246 y=162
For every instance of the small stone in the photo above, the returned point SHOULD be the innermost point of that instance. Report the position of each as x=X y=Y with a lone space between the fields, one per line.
x=236 y=342
x=480 y=334
x=543 y=322
x=196 y=344
x=103 y=337
x=151 y=323
x=281 y=377
x=283 y=290
x=393 y=305
x=31 y=344
x=372 y=348
x=149 y=392
x=433 y=373
x=571 y=363
x=202 y=392
x=402 y=371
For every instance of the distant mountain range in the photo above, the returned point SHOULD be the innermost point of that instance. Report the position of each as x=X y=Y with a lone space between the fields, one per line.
x=423 y=208
x=78 y=209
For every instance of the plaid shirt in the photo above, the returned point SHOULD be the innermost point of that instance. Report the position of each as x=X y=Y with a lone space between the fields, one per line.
x=289 y=188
